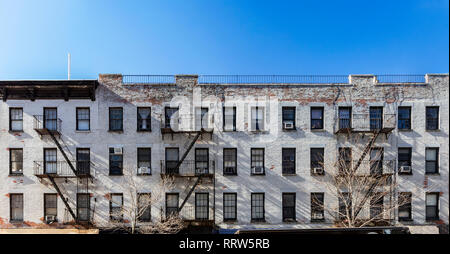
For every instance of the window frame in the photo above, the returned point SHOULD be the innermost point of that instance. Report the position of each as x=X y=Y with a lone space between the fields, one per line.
x=317 y=208
x=313 y=162
x=407 y=207
x=178 y=202
x=224 y=118
x=139 y=159
x=111 y=172
x=50 y=161
x=376 y=166
x=284 y=169
x=235 y=160
x=15 y=120
x=170 y=170
x=284 y=207
x=253 y=195
x=257 y=122
x=196 y=207
x=436 y=215
x=166 y=116
x=78 y=119
x=111 y=216
x=79 y=162
x=341 y=120
x=11 y=195
x=409 y=161
x=345 y=155
x=197 y=162
x=408 y=120
x=427 y=125
x=114 y=119
x=234 y=194
x=88 y=195
x=321 y=120
x=45 y=119
x=252 y=161
x=11 y=162
x=436 y=162
x=283 y=117
x=139 y=118
x=45 y=204
x=148 y=209
x=376 y=123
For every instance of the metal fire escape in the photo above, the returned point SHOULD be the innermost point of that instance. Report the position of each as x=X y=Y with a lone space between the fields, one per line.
x=372 y=126
x=60 y=169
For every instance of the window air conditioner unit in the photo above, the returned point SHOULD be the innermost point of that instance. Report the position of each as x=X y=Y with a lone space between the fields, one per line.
x=318 y=170
x=288 y=125
x=50 y=218
x=201 y=170
x=258 y=170
x=118 y=150
x=405 y=169
x=144 y=170
x=317 y=216
x=229 y=170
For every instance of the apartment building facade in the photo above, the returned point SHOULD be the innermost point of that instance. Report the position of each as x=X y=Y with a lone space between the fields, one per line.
x=246 y=151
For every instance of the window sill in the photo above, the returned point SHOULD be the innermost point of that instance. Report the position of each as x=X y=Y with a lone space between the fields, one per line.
x=317 y=221
x=313 y=174
x=406 y=174
x=288 y=174
x=143 y=130
x=405 y=220
x=12 y=132
x=257 y=220
x=318 y=130
x=15 y=174
x=290 y=221
x=149 y=174
x=231 y=221
x=229 y=130
x=433 y=220
x=116 y=131
x=405 y=130
x=432 y=174
x=258 y=131
x=229 y=174
x=437 y=130
x=263 y=174
x=116 y=174
x=289 y=130
x=83 y=131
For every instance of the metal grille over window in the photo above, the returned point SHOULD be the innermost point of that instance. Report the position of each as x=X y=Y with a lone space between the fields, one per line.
x=345 y=117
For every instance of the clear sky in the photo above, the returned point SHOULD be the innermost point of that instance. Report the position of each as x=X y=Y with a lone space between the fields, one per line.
x=222 y=37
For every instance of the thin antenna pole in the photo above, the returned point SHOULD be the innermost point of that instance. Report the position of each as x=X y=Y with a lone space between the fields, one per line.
x=68 y=66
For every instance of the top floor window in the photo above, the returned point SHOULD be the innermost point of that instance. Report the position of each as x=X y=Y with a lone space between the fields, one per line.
x=169 y=112
x=404 y=118
x=257 y=118
x=201 y=118
x=229 y=118
x=432 y=118
x=317 y=118
x=16 y=119
x=51 y=119
x=144 y=119
x=288 y=118
x=376 y=118
x=116 y=119
x=83 y=119
x=345 y=117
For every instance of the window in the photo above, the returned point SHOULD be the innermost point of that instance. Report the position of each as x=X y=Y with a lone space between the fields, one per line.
x=376 y=160
x=257 y=118
x=168 y=114
x=15 y=161
x=229 y=116
x=288 y=200
x=257 y=206
x=432 y=118
x=404 y=118
x=230 y=161
x=50 y=161
x=201 y=118
x=345 y=205
x=115 y=207
x=376 y=206
x=201 y=161
x=172 y=160
x=171 y=203
x=257 y=161
x=83 y=206
x=345 y=160
x=345 y=117
x=317 y=161
x=201 y=206
x=16 y=119
x=51 y=119
x=144 y=119
x=317 y=118
x=229 y=206
x=288 y=163
x=288 y=118
x=432 y=206
x=404 y=160
x=116 y=119
x=83 y=161
x=83 y=119
x=404 y=209
x=431 y=160
x=50 y=205
x=115 y=160
x=376 y=118
x=317 y=209
x=16 y=205
x=144 y=156
x=144 y=207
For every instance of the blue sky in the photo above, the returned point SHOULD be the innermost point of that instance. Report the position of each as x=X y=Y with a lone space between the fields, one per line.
x=222 y=37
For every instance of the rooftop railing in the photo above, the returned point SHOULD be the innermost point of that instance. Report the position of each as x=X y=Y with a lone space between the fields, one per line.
x=401 y=78
x=148 y=79
x=273 y=79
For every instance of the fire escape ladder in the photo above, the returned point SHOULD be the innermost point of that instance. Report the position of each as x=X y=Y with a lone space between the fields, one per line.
x=366 y=150
x=188 y=150
x=63 y=152
x=52 y=180
x=189 y=193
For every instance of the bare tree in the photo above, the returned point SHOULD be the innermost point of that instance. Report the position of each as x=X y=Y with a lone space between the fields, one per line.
x=133 y=216
x=364 y=189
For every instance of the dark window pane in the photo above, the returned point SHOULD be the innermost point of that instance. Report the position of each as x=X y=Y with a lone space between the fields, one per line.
x=432 y=115
x=288 y=163
x=229 y=161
